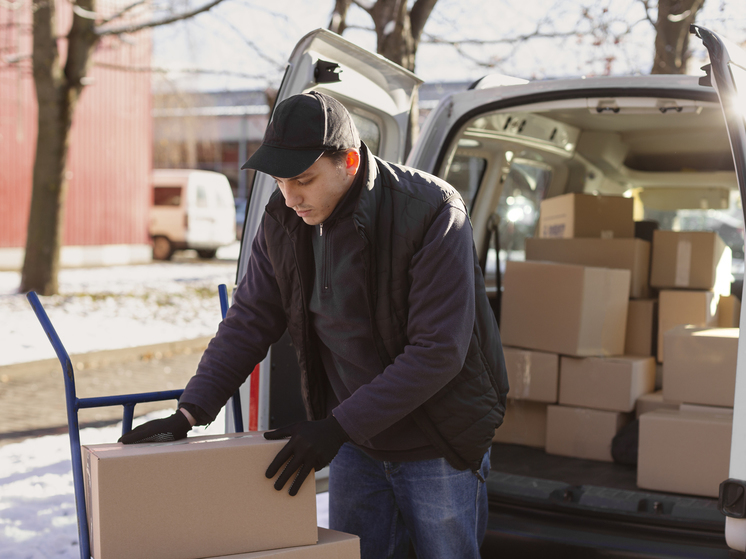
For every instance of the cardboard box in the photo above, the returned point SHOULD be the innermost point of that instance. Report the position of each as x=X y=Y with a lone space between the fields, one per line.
x=583 y=432
x=642 y=327
x=525 y=423
x=198 y=497
x=626 y=254
x=729 y=311
x=700 y=365
x=563 y=308
x=691 y=260
x=698 y=308
x=532 y=375
x=684 y=451
x=332 y=545
x=606 y=383
x=573 y=216
x=653 y=401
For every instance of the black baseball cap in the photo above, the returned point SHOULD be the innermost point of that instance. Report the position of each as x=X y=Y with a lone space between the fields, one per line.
x=303 y=127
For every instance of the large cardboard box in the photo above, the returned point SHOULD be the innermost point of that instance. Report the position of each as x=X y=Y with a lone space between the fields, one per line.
x=199 y=497
x=332 y=545
x=653 y=401
x=584 y=215
x=563 y=308
x=583 y=432
x=684 y=451
x=606 y=383
x=690 y=260
x=700 y=365
x=729 y=311
x=642 y=327
x=525 y=423
x=627 y=254
x=698 y=308
x=532 y=375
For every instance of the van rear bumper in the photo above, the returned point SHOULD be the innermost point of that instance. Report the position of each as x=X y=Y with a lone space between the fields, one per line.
x=516 y=531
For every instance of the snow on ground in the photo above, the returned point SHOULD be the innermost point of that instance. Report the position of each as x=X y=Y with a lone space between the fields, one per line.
x=38 y=518
x=115 y=307
x=98 y=308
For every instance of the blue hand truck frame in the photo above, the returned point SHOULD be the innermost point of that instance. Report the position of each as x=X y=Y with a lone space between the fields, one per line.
x=127 y=401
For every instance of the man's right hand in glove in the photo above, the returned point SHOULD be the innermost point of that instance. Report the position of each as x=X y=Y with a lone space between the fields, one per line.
x=164 y=430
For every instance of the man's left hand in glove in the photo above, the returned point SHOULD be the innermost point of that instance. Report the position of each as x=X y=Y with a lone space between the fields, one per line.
x=312 y=446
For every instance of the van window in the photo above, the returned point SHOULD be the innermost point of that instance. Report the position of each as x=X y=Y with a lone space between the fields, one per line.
x=167 y=196
x=518 y=210
x=225 y=198
x=201 y=196
x=465 y=175
x=369 y=132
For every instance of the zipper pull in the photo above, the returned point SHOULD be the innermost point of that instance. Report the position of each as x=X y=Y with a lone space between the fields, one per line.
x=321 y=229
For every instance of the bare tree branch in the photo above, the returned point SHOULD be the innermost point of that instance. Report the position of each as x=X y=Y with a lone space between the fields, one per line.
x=123 y=11
x=156 y=70
x=365 y=7
x=338 y=21
x=419 y=15
x=251 y=44
x=432 y=39
x=133 y=27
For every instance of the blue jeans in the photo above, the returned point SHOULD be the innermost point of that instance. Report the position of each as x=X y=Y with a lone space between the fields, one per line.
x=442 y=510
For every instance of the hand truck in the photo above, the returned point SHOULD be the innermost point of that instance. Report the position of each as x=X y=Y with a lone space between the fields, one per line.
x=127 y=401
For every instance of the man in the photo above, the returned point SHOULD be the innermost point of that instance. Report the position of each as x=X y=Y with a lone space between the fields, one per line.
x=371 y=267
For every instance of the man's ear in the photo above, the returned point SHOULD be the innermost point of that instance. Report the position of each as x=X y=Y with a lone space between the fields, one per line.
x=352 y=162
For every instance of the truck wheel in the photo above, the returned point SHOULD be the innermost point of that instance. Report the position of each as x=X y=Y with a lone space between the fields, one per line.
x=207 y=253
x=162 y=249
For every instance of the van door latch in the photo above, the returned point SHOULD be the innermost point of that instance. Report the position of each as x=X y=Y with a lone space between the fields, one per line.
x=326 y=72
x=732 y=498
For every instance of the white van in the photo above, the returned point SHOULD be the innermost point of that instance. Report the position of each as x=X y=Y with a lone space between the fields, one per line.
x=675 y=144
x=191 y=209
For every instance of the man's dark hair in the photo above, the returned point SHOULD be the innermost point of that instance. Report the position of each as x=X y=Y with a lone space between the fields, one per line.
x=338 y=157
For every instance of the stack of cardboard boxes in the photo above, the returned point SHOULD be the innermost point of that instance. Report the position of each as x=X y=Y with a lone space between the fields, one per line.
x=685 y=447
x=582 y=335
x=201 y=497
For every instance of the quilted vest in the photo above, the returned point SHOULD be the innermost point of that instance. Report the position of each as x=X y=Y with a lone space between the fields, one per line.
x=396 y=207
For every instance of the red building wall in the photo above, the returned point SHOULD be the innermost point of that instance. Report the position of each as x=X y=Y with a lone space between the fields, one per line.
x=110 y=155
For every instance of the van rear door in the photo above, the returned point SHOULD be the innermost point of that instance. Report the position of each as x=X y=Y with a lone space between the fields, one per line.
x=727 y=74
x=378 y=94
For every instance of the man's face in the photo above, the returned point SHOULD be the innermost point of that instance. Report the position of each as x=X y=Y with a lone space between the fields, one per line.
x=316 y=192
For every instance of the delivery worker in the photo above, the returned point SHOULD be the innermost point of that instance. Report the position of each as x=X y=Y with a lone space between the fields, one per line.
x=372 y=269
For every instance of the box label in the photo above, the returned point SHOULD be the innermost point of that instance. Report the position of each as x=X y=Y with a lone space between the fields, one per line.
x=683 y=263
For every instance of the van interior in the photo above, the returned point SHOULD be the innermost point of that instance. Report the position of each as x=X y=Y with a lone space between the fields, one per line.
x=672 y=156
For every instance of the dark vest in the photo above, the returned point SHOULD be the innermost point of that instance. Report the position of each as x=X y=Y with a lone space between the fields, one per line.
x=396 y=207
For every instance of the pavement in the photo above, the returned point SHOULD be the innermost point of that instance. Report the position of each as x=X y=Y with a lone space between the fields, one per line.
x=32 y=395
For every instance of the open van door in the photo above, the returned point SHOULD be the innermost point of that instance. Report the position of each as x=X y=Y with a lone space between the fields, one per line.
x=378 y=94
x=727 y=74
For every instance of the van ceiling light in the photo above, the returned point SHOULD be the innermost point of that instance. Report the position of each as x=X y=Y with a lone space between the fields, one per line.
x=468 y=143
x=508 y=156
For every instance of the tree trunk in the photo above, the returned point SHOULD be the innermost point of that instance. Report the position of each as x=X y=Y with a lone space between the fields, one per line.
x=338 y=22
x=672 y=35
x=398 y=32
x=57 y=94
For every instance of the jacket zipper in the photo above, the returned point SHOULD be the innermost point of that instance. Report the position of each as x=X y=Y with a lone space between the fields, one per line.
x=326 y=266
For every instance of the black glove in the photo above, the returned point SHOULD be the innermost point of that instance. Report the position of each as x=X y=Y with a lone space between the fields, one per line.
x=164 y=430
x=312 y=445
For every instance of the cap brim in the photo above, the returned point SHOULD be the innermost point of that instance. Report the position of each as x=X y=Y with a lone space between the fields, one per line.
x=282 y=163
